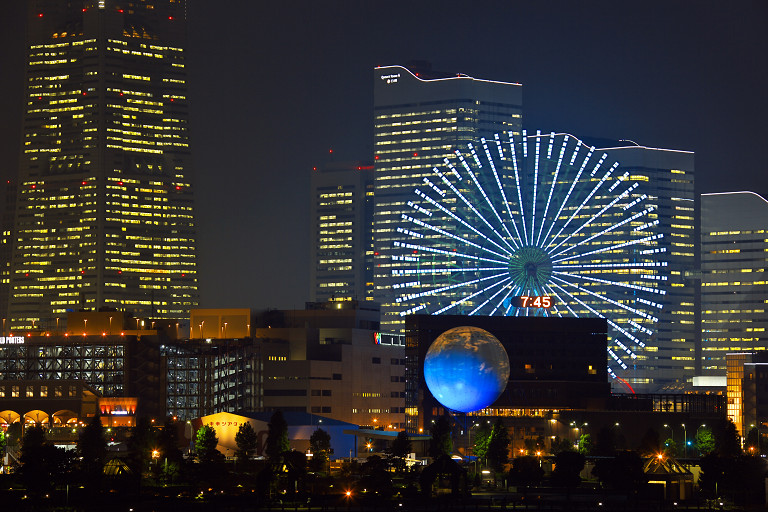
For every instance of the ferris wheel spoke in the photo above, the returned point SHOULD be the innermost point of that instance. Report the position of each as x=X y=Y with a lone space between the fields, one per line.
x=604 y=298
x=612 y=247
x=517 y=183
x=619 y=284
x=443 y=232
x=480 y=187
x=469 y=204
x=512 y=288
x=460 y=220
x=604 y=209
x=586 y=200
x=442 y=289
x=613 y=227
x=554 y=182
x=570 y=191
x=498 y=181
x=471 y=296
x=489 y=299
x=551 y=291
x=435 y=250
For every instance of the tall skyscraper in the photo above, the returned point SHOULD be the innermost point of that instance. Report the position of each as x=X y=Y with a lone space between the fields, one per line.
x=734 y=289
x=342 y=232
x=420 y=118
x=104 y=215
x=667 y=177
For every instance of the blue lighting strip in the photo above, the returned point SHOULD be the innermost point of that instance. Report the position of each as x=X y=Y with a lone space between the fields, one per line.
x=434 y=187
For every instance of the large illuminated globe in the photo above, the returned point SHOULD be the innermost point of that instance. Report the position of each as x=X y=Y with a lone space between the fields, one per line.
x=466 y=369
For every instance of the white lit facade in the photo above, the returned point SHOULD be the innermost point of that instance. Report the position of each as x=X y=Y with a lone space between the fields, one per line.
x=104 y=216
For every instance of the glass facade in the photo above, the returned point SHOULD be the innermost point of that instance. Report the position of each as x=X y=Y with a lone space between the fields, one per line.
x=104 y=213
x=734 y=248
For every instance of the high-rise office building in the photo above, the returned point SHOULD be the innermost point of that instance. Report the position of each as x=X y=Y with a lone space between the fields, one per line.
x=667 y=177
x=104 y=215
x=733 y=281
x=420 y=118
x=342 y=232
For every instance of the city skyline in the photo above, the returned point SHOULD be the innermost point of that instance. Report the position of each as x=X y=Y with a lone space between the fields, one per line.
x=662 y=75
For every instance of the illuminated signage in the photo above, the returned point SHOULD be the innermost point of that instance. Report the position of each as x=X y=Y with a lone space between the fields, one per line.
x=532 y=301
x=11 y=340
x=391 y=78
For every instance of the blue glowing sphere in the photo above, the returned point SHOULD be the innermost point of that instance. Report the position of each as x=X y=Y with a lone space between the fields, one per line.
x=466 y=369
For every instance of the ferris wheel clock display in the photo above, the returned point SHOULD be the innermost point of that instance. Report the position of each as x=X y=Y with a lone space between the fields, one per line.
x=539 y=225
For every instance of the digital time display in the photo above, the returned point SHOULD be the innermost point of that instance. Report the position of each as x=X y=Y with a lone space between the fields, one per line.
x=532 y=301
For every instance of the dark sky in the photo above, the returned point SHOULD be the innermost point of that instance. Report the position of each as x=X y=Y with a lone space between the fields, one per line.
x=275 y=84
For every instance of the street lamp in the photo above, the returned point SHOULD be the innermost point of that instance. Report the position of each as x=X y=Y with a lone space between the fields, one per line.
x=685 y=441
x=672 y=432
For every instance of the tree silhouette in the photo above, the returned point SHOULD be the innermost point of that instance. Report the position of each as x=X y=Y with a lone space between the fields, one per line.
x=705 y=441
x=205 y=445
x=277 y=438
x=246 y=441
x=400 y=449
x=624 y=472
x=92 y=450
x=568 y=465
x=526 y=472
x=142 y=441
x=498 y=447
x=650 y=444
x=320 y=444
x=440 y=442
x=43 y=465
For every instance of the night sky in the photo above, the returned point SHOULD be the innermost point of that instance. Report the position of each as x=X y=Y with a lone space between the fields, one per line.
x=275 y=85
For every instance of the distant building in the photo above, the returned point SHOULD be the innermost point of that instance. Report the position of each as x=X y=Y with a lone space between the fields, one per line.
x=301 y=426
x=104 y=215
x=330 y=359
x=747 y=388
x=555 y=363
x=734 y=243
x=123 y=368
x=341 y=228
x=667 y=177
x=420 y=117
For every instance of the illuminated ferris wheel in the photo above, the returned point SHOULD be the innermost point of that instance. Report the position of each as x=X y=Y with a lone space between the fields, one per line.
x=534 y=225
